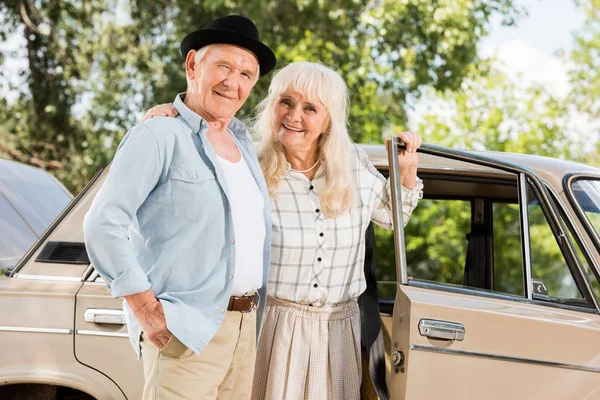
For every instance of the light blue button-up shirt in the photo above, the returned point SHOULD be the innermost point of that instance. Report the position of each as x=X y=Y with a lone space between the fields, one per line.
x=162 y=221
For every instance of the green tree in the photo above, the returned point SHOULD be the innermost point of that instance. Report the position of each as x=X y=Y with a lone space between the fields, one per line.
x=92 y=70
x=495 y=113
x=41 y=127
x=584 y=76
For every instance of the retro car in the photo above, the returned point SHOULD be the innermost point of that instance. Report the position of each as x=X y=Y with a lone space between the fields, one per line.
x=492 y=291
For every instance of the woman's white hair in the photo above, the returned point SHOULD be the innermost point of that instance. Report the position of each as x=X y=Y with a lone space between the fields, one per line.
x=323 y=84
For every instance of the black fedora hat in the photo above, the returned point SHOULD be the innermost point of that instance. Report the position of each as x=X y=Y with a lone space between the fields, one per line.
x=232 y=29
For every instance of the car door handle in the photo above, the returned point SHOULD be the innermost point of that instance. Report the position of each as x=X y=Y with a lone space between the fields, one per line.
x=442 y=330
x=104 y=316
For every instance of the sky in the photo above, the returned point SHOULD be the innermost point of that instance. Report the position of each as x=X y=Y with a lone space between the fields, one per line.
x=528 y=53
x=531 y=47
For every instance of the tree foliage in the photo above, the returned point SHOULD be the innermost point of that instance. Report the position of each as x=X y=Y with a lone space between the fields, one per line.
x=585 y=75
x=92 y=66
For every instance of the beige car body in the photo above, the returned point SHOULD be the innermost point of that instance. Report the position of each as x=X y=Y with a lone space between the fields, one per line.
x=60 y=327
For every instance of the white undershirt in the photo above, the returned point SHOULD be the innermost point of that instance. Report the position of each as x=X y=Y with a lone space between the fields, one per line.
x=247 y=211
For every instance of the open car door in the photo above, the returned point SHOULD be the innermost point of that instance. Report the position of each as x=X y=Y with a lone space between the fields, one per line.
x=474 y=340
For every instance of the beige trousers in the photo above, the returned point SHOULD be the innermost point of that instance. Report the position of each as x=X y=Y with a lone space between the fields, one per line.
x=222 y=371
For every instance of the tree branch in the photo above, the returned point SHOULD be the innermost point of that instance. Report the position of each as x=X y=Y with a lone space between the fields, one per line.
x=19 y=156
x=26 y=19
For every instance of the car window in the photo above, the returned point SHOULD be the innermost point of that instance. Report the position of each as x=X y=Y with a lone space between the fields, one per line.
x=16 y=237
x=508 y=259
x=587 y=195
x=593 y=280
x=433 y=226
x=448 y=241
x=587 y=268
x=547 y=261
x=36 y=195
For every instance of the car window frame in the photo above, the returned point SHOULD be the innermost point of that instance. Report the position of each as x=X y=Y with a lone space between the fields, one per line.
x=567 y=250
x=524 y=174
x=567 y=219
x=568 y=181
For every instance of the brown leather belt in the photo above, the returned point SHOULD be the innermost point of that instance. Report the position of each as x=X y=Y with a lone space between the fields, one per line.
x=243 y=303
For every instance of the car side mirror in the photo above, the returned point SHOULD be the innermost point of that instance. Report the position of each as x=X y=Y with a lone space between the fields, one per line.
x=7 y=271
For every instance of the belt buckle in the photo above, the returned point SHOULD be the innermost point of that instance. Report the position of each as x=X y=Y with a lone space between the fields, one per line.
x=256 y=300
x=254 y=305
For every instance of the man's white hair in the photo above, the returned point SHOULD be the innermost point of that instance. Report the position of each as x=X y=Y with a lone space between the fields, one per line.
x=201 y=53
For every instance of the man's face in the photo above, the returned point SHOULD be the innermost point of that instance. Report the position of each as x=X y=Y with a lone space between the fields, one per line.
x=220 y=83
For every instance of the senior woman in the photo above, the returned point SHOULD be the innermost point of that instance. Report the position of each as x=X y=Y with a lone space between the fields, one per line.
x=324 y=193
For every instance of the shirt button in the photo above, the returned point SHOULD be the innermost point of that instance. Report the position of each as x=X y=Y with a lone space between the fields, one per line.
x=317 y=210
x=230 y=277
x=321 y=234
x=194 y=177
x=222 y=310
x=232 y=241
x=319 y=259
x=311 y=187
x=316 y=285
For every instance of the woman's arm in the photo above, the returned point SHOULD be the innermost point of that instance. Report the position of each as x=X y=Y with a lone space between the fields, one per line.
x=412 y=186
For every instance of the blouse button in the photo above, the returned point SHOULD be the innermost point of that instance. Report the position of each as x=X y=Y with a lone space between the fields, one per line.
x=194 y=177
x=311 y=187
x=319 y=259
x=316 y=285
x=321 y=234
x=317 y=210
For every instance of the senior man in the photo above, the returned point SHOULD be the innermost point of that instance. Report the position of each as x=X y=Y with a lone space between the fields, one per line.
x=181 y=227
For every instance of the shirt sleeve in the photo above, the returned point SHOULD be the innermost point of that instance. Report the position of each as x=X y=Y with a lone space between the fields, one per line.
x=382 y=212
x=133 y=174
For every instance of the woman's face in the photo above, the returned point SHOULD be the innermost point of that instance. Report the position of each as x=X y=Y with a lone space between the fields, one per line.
x=299 y=121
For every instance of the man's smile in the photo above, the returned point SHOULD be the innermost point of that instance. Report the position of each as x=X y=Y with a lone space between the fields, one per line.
x=225 y=96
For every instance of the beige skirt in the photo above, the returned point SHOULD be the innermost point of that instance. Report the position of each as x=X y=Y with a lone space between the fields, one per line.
x=308 y=353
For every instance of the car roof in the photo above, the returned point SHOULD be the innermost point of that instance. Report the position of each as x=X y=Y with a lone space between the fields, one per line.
x=550 y=169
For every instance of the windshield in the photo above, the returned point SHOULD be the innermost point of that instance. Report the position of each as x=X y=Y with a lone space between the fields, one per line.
x=587 y=195
x=17 y=236
x=30 y=199
x=34 y=194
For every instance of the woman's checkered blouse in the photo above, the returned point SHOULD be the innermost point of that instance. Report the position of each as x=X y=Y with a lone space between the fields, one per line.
x=318 y=260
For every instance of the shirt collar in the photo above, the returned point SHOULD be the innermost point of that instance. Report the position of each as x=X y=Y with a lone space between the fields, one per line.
x=197 y=123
